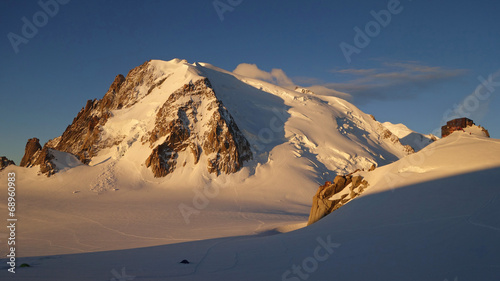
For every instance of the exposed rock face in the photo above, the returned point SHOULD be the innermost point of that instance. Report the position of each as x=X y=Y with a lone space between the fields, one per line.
x=332 y=196
x=387 y=134
x=461 y=124
x=44 y=157
x=162 y=160
x=454 y=125
x=83 y=137
x=32 y=147
x=224 y=143
x=4 y=162
x=44 y=160
x=194 y=106
x=304 y=90
x=486 y=133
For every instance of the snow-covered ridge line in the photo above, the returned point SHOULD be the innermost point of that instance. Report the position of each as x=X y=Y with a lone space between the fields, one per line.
x=162 y=99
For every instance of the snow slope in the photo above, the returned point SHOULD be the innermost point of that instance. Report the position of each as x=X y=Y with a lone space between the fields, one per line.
x=430 y=216
x=410 y=137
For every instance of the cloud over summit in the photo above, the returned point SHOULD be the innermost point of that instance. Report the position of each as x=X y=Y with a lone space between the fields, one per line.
x=390 y=81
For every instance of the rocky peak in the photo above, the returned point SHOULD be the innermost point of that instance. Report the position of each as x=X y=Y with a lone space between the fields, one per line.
x=4 y=162
x=115 y=86
x=45 y=157
x=82 y=136
x=193 y=117
x=32 y=147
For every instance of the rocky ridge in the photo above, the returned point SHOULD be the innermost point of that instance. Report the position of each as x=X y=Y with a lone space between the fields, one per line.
x=83 y=137
x=388 y=135
x=5 y=162
x=35 y=155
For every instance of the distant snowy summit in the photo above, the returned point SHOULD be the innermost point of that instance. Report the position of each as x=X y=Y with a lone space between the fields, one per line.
x=173 y=118
x=410 y=137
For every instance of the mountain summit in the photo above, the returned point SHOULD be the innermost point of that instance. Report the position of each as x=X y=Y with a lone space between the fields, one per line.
x=165 y=116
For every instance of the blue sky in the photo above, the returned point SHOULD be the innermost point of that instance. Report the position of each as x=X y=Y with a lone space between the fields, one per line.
x=424 y=64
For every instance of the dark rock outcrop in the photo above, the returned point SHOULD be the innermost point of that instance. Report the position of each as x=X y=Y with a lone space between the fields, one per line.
x=486 y=133
x=44 y=157
x=32 y=147
x=5 y=162
x=324 y=201
x=162 y=160
x=454 y=125
x=176 y=121
x=44 y=160
x=460 y=124
x=224 y=143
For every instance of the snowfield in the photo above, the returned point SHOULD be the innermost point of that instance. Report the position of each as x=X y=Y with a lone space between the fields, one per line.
x=431 y=215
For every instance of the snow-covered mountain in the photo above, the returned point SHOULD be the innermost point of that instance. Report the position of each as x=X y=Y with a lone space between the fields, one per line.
x=174 y=118
x=410 y=137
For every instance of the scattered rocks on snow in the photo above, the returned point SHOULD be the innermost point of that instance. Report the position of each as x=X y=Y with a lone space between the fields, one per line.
x=387 y=134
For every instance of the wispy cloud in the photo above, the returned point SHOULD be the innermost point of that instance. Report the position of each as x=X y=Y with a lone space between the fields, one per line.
x=276 y=76
x=279 y=77
x=393 y=80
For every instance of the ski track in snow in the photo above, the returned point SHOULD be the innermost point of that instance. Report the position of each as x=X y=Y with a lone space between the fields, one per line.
x=207 y=253
x=168 y=237
x=478 y=211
